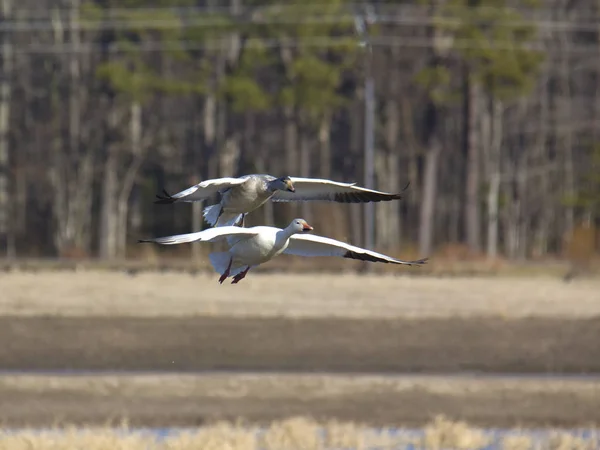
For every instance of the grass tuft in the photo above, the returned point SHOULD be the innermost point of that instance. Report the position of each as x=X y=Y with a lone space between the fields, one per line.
x=297 y=433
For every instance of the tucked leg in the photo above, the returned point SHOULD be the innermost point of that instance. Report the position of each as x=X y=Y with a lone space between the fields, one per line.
x=240 y=276
x=226 y=273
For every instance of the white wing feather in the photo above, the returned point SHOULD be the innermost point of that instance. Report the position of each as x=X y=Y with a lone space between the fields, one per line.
x=208 y=235
x=328 y=190
x=312 y=245
x=203 y=190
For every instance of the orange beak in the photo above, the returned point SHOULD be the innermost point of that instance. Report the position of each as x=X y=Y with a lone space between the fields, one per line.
x=306 y=227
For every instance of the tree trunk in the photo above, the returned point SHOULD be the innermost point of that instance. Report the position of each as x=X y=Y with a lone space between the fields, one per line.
x=596 y=105
x=229 y=155
x=290 y=144
x=412 y=201
x=512 y=218
x=128 y=180
x=569 y=171
x=80 y=202
x=354 y=210
x=523 y=223
x=494 y=161
x=388 y=217
x=229 y=151
x=331 y=220
x=74 y=106
x=369 y=160
x=209 y=132
x=58 y=163
x=6 y=230
x=325 y=147
x=545 y=190
x=82 y=190
x=108 y=213
x=305 y=169
x=71 y=172
x=565 y=116
x=472 y=218
x=428 y=198
x=109 y=223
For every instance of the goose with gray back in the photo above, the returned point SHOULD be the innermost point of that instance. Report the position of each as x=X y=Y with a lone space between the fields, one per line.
x=239 y=196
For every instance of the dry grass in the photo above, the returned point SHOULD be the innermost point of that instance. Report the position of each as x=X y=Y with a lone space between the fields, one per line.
x=297 y=433
x=302 y=386
x=174 y=294
x=190 y=400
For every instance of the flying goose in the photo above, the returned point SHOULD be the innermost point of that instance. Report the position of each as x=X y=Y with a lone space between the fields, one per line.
x=242 y=195
x=250 y=247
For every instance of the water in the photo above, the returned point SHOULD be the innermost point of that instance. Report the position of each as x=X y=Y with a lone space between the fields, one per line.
x=538 y=437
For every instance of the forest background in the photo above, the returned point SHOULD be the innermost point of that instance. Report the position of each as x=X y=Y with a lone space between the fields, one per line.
x=490 y=109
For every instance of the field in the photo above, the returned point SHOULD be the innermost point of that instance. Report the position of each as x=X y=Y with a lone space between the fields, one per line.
x=96 y=293
x=159 y=400
x=372 y=349
x=300 y=433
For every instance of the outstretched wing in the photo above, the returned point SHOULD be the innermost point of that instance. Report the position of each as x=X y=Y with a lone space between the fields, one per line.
x=208 y=235
x=334 y=191
x=311 y=245
x=200 y=191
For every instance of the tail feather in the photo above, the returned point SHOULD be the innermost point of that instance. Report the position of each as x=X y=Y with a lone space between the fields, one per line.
x=211 y=214
x=215 y=216
x=220 y=261
x=228 y=219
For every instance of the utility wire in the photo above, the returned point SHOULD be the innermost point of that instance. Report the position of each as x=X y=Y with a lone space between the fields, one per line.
x=185 y=21
x=295 y=7
x=313 y=42
x=199 y=22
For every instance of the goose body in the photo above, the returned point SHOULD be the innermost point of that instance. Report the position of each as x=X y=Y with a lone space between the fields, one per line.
x=250 y=247
x=239 y=196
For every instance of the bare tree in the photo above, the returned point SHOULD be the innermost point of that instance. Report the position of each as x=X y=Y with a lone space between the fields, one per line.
x=386 y=165
x=494 y=158
x=472 y=210
x=6 y=235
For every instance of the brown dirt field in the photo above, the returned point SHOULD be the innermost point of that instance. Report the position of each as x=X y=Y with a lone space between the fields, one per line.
x=190 y=400
x=345 y=324
x=525 y=345
x=315 y=295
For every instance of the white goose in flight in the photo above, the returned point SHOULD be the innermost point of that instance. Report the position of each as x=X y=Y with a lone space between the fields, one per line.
x=250 y=247
x=242 y=195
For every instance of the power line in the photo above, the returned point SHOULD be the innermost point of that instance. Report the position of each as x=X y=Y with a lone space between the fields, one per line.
x=313 y=42
x=295 y=7
x=190 y=22
x=186 y=21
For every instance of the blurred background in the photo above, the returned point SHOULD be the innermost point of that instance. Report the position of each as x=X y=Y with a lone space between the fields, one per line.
x=488 y=109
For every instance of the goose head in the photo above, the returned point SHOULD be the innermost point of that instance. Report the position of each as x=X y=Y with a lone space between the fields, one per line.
x=299 y=226
x=282 y=184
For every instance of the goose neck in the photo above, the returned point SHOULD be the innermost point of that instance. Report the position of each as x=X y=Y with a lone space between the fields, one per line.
x=285 y=234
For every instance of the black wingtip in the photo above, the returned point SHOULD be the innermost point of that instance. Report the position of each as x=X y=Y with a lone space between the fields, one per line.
x=419 y=262
x=396 y=196
x=142 y=241
x=400 y=196
x=165 y=199
x=366 y=197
